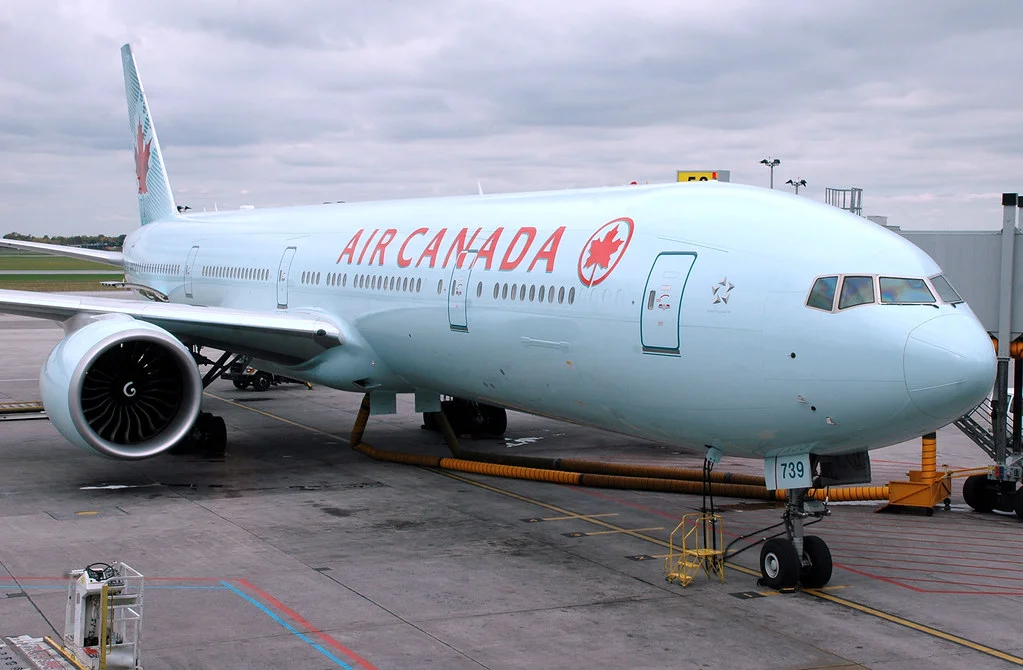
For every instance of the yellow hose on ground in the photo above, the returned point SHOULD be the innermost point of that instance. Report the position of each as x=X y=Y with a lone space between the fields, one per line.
x=579 y=472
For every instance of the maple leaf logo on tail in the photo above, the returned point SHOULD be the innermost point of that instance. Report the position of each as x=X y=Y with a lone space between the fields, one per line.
x=142 y=160
x=600 y=255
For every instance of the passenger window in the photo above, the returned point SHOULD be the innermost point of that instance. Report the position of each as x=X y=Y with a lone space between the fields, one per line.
x=856 y=291
x=650 y=300
x=419 y=285
x=440 y=286
x=532 y=292
x=522 y=293
x=945 y=290
x=822 y=295
x=497 y=290
x=571 y=295
x=561 y=295
x=901 y=291
x=540 y=294
x=479 y=289
x=514 y=291
x=504 y=292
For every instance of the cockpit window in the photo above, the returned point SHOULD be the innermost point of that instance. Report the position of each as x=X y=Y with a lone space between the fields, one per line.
x=945 y=290
x=822 y=295
x=896 y=290
x=856 y=291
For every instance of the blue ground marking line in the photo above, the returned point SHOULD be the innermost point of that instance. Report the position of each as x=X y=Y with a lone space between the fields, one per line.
x=28 y=587
x=302 y=636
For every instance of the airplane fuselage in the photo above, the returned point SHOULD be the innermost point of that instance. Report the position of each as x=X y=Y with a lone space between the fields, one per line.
x=675 y=312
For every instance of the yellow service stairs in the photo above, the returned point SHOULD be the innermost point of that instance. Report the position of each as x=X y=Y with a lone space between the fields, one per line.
x=697 y=543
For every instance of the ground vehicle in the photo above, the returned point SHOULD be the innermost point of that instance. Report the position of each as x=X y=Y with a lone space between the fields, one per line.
x=244 y=375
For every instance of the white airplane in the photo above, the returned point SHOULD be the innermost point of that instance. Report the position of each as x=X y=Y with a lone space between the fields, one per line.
x=710 y=316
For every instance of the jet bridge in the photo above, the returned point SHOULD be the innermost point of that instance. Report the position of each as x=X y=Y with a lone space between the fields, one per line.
x=986 y=268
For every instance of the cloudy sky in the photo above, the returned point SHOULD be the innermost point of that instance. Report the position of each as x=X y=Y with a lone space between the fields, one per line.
x=266 y=102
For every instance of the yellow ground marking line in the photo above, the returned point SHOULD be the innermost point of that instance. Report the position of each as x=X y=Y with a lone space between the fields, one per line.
x=274 y=416
x=929 y=630
x=823 y=593
x=623 y=530
x=818 y=593
x=577 y=516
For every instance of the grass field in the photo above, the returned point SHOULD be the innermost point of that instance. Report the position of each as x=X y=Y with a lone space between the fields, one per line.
x=42 y=262
x=49 y=286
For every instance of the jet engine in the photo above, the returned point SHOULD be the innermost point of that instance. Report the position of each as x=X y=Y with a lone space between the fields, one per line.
x=121 y=387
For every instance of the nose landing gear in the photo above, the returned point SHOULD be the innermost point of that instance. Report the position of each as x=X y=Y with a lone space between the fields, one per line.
x=797 y=558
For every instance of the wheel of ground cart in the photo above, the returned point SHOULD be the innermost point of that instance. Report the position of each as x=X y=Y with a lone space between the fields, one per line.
x=240 y=384
x=817 y=572
x=978 y=493
x=261 y=382
x=779 y=564
x=1018 y=502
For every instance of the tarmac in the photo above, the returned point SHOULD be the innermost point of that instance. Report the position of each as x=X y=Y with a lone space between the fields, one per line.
x=293 y=551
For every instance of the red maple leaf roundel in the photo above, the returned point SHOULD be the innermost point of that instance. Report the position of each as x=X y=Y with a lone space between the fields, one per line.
x=604 y=250
x=142 y=160
x=601 y=250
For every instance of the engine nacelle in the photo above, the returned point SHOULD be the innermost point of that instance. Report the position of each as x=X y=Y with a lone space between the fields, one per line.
x=121 y=387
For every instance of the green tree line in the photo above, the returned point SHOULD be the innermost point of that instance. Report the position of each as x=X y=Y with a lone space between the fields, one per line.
x=112 y=242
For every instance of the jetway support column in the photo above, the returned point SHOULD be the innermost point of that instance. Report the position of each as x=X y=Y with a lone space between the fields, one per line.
x=1001 y=390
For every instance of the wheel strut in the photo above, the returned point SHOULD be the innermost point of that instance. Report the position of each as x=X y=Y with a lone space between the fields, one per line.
x=799 y=558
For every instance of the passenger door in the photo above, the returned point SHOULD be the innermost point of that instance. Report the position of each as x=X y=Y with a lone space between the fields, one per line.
x=282 y=277
x=458 y=293
x=662 y=303
x=188 y=270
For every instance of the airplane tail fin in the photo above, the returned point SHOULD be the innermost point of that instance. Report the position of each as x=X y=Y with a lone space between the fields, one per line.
x=155 y=199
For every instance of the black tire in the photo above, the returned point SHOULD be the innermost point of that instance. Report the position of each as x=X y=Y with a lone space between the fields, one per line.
x=818 y=572
x=1018 y=502
x=779 y=564
x=215 y=443
x=978 y=493
x=261 y=381
x=240 y=384
x=495 y=420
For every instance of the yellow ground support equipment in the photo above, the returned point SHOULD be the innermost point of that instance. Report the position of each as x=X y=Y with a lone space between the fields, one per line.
x=696 y=543
x=926 y=487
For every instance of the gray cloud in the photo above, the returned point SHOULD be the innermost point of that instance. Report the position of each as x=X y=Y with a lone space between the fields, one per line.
x=273 y=103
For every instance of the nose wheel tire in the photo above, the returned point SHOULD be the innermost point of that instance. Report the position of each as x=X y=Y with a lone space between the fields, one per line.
x=779 y=564
x=817 y=572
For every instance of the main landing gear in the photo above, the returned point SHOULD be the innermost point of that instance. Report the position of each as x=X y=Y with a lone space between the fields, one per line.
x=797 y=558
x=470 y=418
x=208 y=437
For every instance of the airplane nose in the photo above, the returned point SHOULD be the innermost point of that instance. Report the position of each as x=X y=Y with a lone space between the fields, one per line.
x=949 y=365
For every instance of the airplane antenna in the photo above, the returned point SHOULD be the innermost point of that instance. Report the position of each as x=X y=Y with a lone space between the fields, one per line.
x=479 y=186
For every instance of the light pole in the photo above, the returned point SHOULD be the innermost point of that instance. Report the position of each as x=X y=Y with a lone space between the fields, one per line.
x=771 y=163
x=796 y=184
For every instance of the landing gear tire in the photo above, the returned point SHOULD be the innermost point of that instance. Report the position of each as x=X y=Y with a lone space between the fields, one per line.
x=779 y=564
x=240 y=384
x=208 y=438
x=261 y=382
x=978 y=493
x=471 y=418
x=1018 y=502
x=817 y=570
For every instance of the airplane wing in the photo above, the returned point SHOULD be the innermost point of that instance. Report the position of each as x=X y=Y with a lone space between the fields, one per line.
x=108 y=257
x=288 y=337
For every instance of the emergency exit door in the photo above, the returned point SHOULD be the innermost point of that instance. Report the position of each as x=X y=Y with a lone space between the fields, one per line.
x=282 y=277
x=662 y=303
